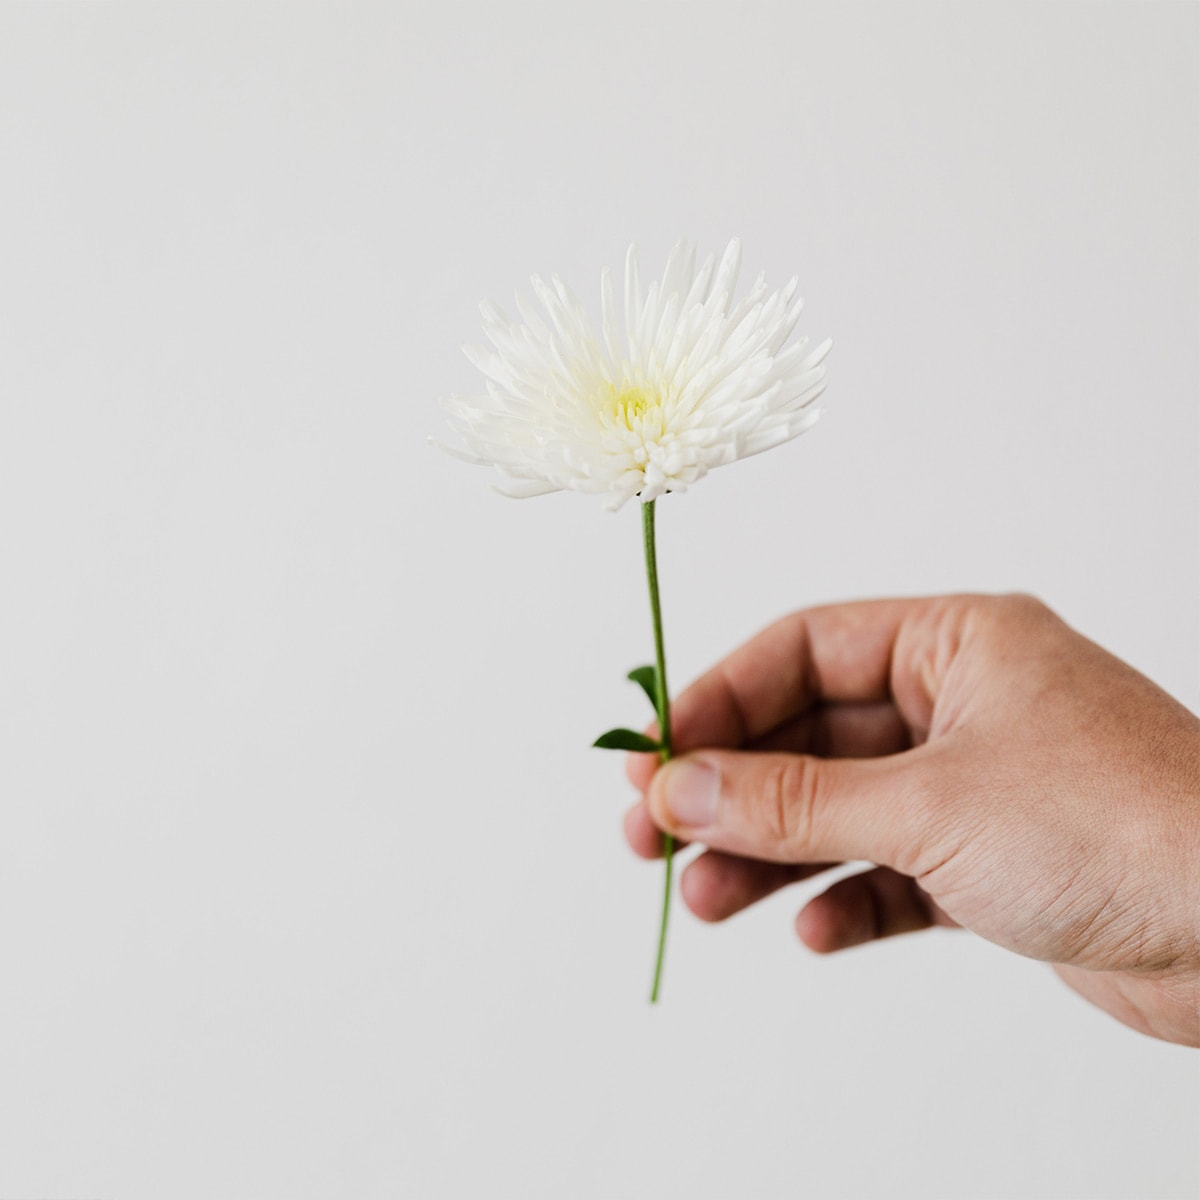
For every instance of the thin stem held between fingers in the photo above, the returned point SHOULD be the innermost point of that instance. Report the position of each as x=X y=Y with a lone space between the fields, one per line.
x=662 y=704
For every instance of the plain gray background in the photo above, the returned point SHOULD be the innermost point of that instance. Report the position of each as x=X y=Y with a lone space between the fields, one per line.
x=309 y=882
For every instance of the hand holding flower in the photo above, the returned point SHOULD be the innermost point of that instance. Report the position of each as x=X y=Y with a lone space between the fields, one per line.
x=1002 y=772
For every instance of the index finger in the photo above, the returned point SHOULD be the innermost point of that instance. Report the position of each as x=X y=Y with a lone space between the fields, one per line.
x=840 y=653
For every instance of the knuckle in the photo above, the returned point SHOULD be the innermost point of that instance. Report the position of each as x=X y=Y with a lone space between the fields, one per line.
x=1019 y=608
x=1021 y=628
x=791 y=801
x=1023 y=604
x=998 y=623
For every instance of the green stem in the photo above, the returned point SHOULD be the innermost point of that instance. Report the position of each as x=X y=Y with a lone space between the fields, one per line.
x=663 y=704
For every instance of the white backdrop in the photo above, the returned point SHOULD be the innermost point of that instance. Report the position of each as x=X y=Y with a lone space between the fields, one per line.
x=309 y=883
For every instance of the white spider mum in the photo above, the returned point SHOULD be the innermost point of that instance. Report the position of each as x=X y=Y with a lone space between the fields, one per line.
x=693 y=381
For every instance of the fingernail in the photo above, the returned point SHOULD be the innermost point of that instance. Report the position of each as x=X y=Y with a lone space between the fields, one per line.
x=691 y=791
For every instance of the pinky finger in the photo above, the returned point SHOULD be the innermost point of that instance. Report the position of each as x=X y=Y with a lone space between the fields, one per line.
x=879 y=903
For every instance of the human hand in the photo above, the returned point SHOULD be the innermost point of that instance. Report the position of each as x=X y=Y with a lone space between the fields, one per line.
x=1003 y=772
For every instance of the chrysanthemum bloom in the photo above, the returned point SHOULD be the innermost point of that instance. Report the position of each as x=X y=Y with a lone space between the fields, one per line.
x=693 y=381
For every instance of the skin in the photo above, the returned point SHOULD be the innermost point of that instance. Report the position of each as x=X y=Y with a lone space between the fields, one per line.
x=1005 y=775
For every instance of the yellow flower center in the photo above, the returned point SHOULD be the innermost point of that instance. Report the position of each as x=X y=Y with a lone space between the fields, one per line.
x=627 y=406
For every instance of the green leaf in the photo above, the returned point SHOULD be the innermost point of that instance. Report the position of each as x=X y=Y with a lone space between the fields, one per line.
x=647 y=679
x=626 y=739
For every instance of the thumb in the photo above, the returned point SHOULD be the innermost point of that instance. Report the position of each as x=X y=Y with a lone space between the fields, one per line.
x=792 y=808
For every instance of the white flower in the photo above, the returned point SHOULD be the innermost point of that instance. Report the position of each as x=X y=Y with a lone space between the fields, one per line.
x=692 y=382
